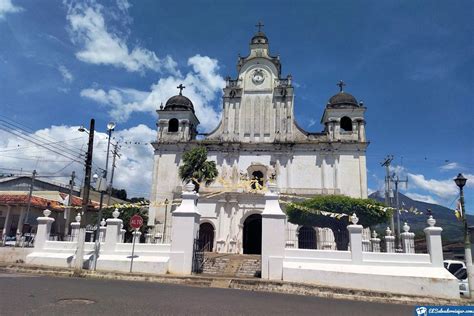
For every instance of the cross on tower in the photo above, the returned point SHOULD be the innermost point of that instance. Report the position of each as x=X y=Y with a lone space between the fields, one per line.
x=180 y=87
x=259 y=25
x=341 y=84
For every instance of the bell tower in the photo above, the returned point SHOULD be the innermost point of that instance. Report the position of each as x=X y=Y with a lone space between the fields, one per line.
x=343 y=117
x=177 y=121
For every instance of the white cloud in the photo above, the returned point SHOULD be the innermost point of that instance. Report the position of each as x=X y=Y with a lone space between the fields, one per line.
x=67 y=75
x=103 y=46
x=203 y=85
x=422 y=198
x=6 y=6
x=443 y=188
x=450 y=166
x=134 y=167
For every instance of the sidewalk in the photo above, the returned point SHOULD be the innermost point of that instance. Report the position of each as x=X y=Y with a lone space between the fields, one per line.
x=250 y=284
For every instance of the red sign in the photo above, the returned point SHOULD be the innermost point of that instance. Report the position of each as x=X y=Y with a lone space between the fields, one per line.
x=136 y=221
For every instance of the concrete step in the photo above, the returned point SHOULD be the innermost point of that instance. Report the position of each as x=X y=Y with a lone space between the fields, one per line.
x=232 y=265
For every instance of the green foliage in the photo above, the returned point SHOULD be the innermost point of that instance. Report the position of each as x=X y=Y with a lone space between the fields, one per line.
x=119 y=194
x=368 y=211
x=197 y=169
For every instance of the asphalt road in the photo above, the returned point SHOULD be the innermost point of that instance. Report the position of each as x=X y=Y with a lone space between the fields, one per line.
x=44 y=295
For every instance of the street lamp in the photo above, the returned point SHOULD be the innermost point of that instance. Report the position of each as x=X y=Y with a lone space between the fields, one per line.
x=110 y=129
x=460 y=181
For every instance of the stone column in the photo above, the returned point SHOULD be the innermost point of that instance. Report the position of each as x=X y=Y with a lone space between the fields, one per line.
x=136 y=235
x=433 y=242
x=183 y=232
x=408 y=240
x=148 y=238
x=355 y=239
x=7 y=223
x=273 y=236
x=375 y=242
x=112 y=232
x=102 y=230
x=75 y=228
x=389 y=241
x=220 y=243
x=44 y=228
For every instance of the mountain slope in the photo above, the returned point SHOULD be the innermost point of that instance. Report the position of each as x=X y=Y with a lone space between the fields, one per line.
x=445 y=218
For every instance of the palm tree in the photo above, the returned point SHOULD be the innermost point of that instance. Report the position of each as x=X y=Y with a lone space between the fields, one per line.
x=197 y=169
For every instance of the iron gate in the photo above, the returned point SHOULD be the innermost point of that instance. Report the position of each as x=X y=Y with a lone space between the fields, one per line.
x=198 y=255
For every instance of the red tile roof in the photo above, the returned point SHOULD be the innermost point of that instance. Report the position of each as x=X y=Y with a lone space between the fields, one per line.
x=40 y=202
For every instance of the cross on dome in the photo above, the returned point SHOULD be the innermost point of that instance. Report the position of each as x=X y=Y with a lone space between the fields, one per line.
x=341 y=84
x=259 y=25
x=180 y=87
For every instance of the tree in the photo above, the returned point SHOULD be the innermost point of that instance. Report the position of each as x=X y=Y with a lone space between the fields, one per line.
x=197 y=169
x=119 y=194
x=308 y=212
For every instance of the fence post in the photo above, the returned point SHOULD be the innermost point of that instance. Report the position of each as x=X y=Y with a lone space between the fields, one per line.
x=112 y=232
x=75 y=228
x=433 y=242
x=273 y=236
x=389 y=241
x=102 y=231
x=408 y=239
x=44 y=228
x=148 y=238
x=183 y=232
x=375 y=242
x=355 y=238
x=121 y=235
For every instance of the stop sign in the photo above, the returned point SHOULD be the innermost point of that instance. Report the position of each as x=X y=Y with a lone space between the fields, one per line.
x=136 y=221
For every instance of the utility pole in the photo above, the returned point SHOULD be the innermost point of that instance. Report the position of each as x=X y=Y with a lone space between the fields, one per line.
x=33 y=177
x=85 y=199
x=115 y=154
x=396 y=181
x=386 y=164
x=67 y=214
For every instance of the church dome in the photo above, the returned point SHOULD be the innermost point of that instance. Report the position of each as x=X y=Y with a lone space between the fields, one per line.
x=179 y=103
x=342 y=98
x=259 y=38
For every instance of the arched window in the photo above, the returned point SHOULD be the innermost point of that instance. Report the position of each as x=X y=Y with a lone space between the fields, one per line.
x=173 y=125
x=258 y=176
x=346 y=124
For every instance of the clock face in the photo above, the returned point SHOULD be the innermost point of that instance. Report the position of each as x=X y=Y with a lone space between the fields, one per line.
x=258 y=76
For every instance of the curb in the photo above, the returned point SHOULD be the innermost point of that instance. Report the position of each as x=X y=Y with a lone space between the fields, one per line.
x=248 y=284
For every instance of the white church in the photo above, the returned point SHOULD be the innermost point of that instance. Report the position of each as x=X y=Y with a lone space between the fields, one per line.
x=257 y=138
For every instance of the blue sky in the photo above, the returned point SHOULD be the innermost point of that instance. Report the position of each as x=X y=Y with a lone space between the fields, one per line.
x=411 y=62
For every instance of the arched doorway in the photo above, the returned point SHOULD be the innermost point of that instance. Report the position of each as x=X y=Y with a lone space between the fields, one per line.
x=307 y=238
x=252 y=236
x=206 y=236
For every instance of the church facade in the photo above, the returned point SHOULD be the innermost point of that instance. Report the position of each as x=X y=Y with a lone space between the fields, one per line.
x=257 y=138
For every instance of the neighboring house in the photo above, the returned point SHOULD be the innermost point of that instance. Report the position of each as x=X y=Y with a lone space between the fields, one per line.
x=15 y=216
x=257 y=139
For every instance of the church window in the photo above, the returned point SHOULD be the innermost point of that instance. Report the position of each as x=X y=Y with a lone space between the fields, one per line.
x=346 y=124
x=173 y=125
x=258 y=177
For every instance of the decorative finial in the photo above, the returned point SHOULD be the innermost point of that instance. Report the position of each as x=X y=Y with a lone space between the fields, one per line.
x=354 y=219
x=180 y=87
x=388 y=232
x=46 y=212
x=341 y=84
x=374 y=234
x=102 y=222
x=189 y=187
x=259 y=25
x=78 y=218
x=406 y=228
x=116 y=213
x=431 y=221
x=161 y=106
